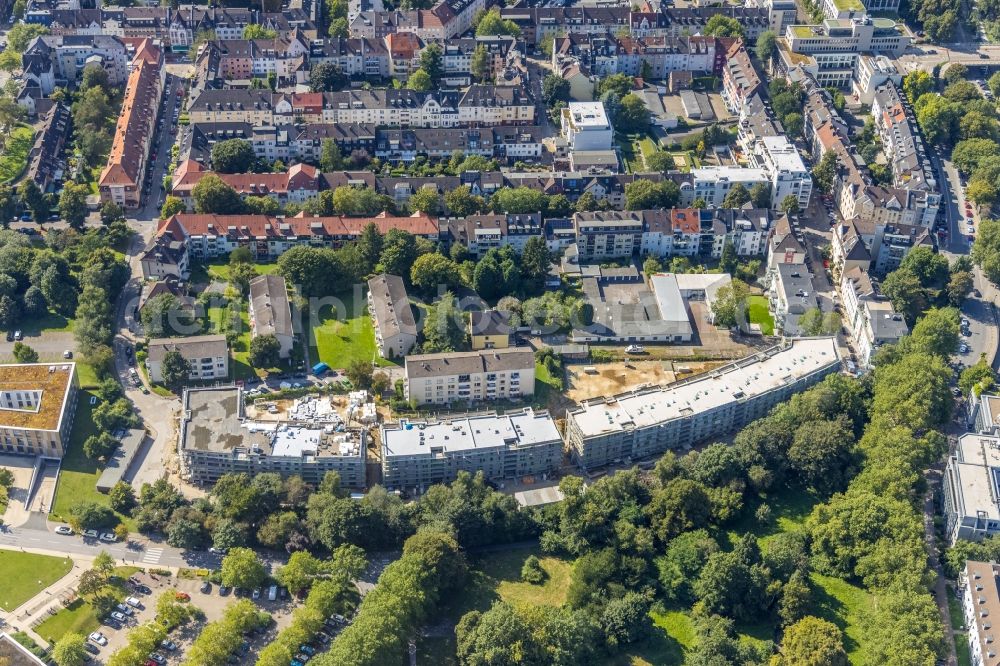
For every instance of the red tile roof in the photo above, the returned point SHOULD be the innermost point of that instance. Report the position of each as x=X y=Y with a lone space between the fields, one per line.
x=266 y=226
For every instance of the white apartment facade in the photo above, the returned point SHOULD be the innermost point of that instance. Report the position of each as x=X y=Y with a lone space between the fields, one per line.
x=488 y=374
x=207 y=356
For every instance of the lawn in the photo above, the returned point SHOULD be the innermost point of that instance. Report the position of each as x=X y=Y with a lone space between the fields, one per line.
x=81 y=616
x=646 y=147
x=87 y=375
x=219 y=270
x=343 y=334
x=957 y=622
x=49 y=322
x=759 y=314
x=842 y=603
x=673 y=635
x=27 y=574
x=241 y=350
x=78 y=474
x=627 y=150
x=545 y=384
x=14 y=159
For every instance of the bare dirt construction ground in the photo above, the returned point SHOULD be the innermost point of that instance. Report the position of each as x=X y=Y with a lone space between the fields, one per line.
x=619 y=377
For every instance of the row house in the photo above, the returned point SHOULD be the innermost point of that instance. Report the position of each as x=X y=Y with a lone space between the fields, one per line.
x=457 y=56
x=244 y=59
x=203 y=236
x=225 y=22
x=299 y=183
x=123 y=176
x=45 y=161
x=70 y=21
x=873 y=246
x=481 y=184
x=687 y=232
x=607 y=54
x=446 y=19
x=904 y=148
x=537 y=23
x=477 y=106
x=869 y=315
x=740 y=80
x=405 y=145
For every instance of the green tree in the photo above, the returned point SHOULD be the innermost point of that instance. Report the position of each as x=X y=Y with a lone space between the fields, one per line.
x=327 y=77
x=767 y=42
x=444 y=326
x=172 y=206
x=824 y=172
x=100 y=446
x=645 y=194
x=257 y=31
x=233 y=156
x=555 y=89
x=122 y=498
x=175 y=370
x=632 y=116
x=425 y=200
x=480 y=65
x=977 y=378
x=790 y=204
x=213 y=195
x=986 y=250
x=22 y=34
x=330 y=158
x=660 y=160
x=420 y=81
x=737 y=197
x=491 y=24
x=32 y=197
x=461 y=202
x=730 y=304
x=518 y=200
x=760 y=195
x=265 y=351
x=812 y=642
x=432 y=62
x=432 y=270
x=719 y=25
x=24 y=354
x=917 y=83
x=73 y=204
x=70 y=650
x=242 y=569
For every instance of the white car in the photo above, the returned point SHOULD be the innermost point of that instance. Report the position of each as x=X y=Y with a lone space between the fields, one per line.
x=109 y=537
x=119 y=616
x=98 y=638
x=634 y=349
x=133 y=602
x=90 y=534
x=65 y=530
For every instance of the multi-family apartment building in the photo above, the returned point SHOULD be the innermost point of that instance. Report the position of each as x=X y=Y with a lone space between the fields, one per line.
x=788 y=174
x=122 y=180
x=712 y=184
x=476 y=106
x=869 y=315
x=269 y=312
x=971 y=510
x=418 y=454
x=904 y=148
x=687 y=232
x=585 y=126
x=629 y=426
x=367 y=57
x=878 y=247
x=740 y=80
x=487 y=374
x=871 y=72
x=37 y=406
x=790 y=295
x=46 y=157
x=979 y=585
x=62 y=58
x=185 y=237
x=392 y=316
x=607 y=54
x=446 y=19
x=829 y=52
x=218 y=437
x=481 y=233
x=299 y=183
x=207 y=356
x=245 y=59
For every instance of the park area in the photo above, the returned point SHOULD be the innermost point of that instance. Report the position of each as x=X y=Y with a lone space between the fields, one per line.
x=27 y=574
x=81 y=615
x=343 y=333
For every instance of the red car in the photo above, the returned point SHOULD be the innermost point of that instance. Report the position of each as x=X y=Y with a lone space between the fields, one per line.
x=182 y=596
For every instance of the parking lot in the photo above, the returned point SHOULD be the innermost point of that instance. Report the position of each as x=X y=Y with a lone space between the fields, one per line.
x=212 y=604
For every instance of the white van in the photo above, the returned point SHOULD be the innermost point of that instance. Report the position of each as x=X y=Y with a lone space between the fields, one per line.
x=272 y=594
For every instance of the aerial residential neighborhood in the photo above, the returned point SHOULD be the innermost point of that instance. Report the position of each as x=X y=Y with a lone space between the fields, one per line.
x=465 y=332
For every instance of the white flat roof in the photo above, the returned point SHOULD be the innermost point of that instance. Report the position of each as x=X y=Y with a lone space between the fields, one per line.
x=745 y=378
x=477 y=432
x=729 y=173
x=977 y=471
x=668 y=298
x=589 y=115
x=784 y=154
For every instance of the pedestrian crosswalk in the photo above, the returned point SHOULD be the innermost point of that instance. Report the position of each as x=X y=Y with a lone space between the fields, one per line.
x=152 y=555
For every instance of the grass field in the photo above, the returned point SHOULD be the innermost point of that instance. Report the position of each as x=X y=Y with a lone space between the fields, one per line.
x=49 y=322
x=758 y=313
x=78 y=474
x=957 y=622
x=14 y=158
x=219 y=270
x=81 y=616
x=343 y=337
x=27 y=574
x=87 y=375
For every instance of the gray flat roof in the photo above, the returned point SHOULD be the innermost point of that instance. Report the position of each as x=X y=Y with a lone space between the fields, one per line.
x=525 y=428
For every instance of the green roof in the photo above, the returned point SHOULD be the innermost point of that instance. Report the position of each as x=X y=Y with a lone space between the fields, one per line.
x=849 y=5
x=803 y=30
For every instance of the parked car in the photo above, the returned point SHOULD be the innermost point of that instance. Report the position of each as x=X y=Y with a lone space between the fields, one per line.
x=133 y=602
x=169 y=645
x=91 y=648
x=125 y=609
x=256 y=593
x=308 y=649
x=118 y=616
x=108 y=537
x=223 y=590
x=98 y=638
x=206 y=587
x=18 y=336
x=90 y=534
x=65 y=530
x=182 y=596
x=158 y=658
